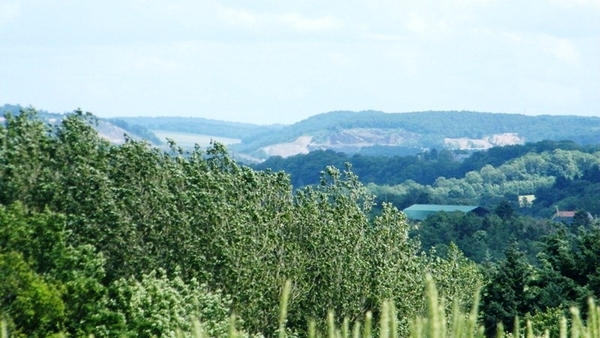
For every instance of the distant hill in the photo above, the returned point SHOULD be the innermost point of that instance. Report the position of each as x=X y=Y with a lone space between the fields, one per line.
x=361 y=132
x=367 y=132
x=424 y=168
x=199 y=125
x=113 y=130
x=389 y=134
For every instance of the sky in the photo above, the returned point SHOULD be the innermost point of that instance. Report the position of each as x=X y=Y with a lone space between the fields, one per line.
x=279 y=61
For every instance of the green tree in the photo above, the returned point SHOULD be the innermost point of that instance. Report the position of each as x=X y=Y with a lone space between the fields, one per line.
x=75 y=273
x=159 y=305
x=504 y=210
x=26 y=150
x=101 y=218
x=506 y=295
x=582 y=218
x=33 y=306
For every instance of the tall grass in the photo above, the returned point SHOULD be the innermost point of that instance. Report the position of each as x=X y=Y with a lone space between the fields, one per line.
x=435 y=324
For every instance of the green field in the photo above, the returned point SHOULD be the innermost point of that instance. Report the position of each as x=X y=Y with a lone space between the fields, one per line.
x=189 y=140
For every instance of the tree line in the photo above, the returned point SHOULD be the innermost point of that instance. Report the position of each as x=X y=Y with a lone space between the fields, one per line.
x=134 y=241
x=561 y=174
x=432 y=127
x=131 y=240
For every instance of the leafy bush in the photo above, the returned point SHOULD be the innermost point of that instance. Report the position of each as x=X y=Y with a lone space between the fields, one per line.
x=158 y=305
x=33 y=306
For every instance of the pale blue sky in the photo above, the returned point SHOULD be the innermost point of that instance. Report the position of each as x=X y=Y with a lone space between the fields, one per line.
x=282 y=61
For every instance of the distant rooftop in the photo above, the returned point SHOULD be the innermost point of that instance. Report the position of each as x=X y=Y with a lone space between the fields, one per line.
x=565 y=214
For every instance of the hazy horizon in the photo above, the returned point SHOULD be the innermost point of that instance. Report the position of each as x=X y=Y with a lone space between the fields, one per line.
x=282 y=62
x=293 y=122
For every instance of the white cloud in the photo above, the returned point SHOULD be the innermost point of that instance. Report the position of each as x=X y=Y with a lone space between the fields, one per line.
x=562 y=49
x=234 y=16
x=339 y=60
x=573 y=3
x=384 y=37
x=302 y=57
x=431 y=25
x=157 y=64
x=467 y=3
x=305 y=24
x=241 y=17
x=548 y=93
x=439 y=18
x=416 y=23
x=9 y=11
x=511 y=36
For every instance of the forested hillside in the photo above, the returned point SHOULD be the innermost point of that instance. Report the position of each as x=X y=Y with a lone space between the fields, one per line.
x=561 y=176
x=424 y=168
x=430 y=129
x=198 y=125
x=112 y=129
x=374 y=133
x=367 y=133
x=129 y=240
x=125 y=239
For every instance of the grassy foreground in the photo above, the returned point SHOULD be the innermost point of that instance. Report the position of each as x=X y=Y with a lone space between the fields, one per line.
x=435 y=324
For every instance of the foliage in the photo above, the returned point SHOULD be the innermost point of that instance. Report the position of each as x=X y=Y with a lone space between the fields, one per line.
x=433 y=126
x=559 y=178
x=566 y=277
x=133 y=130
x=483 y=238
x=127 y=239
x=130 y=225
x=437 y=322
x=506 y=296
x=549 y=320
x=560 y=174
x=33 y=305
x=424 y=169
x=161 y=305
x=74 y=273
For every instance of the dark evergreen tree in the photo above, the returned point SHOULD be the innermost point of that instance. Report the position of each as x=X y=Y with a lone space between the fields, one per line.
x=506 y=296
x=504 y=210
x=582 y=218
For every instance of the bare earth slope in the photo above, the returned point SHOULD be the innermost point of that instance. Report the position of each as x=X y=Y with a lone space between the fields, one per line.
x=365 y=132
x=379 y=132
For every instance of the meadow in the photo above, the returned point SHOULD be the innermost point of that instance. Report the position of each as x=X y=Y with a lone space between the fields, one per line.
x=188 y=140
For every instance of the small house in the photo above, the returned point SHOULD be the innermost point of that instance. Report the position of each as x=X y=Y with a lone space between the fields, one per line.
x=567 y=217
x=526 y=201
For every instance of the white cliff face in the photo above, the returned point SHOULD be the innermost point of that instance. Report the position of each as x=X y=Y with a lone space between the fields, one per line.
x=487 y=142
x=110 y=132
x=352 y=140
x=299 y=146
x=345 y=140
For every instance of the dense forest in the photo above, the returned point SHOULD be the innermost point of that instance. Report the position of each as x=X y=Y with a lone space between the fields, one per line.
x=126 y=239
x=434 y=126
x=130 y=240
x=560 y=174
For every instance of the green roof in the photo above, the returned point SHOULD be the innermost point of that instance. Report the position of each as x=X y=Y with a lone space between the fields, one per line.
x=421 y=211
